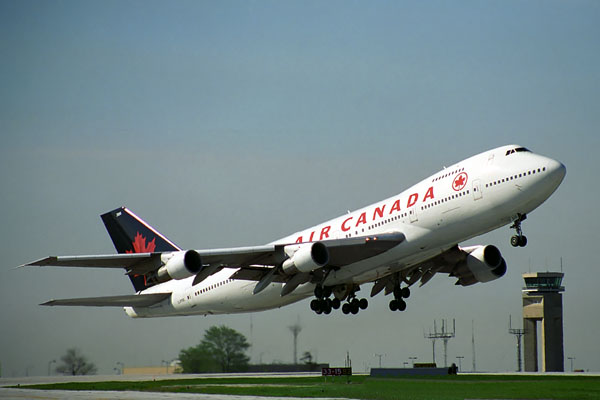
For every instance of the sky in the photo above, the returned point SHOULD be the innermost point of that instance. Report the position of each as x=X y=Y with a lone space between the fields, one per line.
x=235 y=123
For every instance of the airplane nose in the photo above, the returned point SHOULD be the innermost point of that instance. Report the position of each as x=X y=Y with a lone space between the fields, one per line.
x=557 y=171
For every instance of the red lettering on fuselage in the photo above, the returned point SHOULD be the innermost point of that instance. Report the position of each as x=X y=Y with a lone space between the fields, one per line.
x=412 y=200
x=325 y=232
x=362 y=219
x=344 y=227
x=395 y=206
x=429 y=194
x=378 y=211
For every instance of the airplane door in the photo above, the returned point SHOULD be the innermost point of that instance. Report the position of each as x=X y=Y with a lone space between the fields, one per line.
x=477 y=193
x=412 y=215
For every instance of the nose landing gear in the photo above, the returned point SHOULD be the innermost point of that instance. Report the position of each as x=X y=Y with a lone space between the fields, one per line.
x=518 y=240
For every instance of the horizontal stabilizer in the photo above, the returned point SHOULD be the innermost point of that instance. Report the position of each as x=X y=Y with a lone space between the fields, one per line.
x=138 y=263
x=133 y=300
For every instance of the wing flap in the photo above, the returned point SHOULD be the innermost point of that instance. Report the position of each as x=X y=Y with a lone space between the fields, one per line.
x=134 y=300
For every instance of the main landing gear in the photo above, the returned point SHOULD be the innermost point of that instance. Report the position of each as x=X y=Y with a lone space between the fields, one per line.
x=323 y=304
x=518 y=240
x=398 y=304
x=354 y=305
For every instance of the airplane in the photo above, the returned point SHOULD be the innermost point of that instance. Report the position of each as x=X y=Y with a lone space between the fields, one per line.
x=394 y=243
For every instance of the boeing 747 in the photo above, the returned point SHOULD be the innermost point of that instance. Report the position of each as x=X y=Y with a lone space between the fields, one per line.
x=393 y=244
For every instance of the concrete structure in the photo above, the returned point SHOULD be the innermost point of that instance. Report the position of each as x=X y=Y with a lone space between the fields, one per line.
x=542 y=301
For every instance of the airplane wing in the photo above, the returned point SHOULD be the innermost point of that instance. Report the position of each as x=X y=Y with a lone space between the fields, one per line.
x=254 y=262
x=468 y=264
x=142 y=263
x=134 y=300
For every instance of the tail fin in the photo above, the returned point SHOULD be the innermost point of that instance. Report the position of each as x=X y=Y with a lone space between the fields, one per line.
x=131 y=234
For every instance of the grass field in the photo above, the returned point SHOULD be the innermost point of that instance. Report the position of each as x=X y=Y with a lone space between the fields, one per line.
x=364 y=387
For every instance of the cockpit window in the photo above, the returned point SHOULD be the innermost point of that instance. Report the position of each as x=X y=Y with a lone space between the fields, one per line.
x=517 y=150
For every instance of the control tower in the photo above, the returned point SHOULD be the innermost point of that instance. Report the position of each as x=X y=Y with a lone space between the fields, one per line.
x=542 y=301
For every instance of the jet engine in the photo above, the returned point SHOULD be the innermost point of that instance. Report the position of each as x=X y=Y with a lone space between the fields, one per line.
x=482 y=264
x=179 y=265
x=305 y=257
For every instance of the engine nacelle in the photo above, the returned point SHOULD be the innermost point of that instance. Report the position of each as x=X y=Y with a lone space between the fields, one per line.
x=483 y=264
x=179 y=265
x=305 y=257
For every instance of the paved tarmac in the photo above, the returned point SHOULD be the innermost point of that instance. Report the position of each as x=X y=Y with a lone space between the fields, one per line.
x=20 y=394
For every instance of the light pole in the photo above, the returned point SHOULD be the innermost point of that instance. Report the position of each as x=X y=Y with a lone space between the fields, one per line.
x=571 y=358
x=379 y=355
x=413 y=360
x=49 y=364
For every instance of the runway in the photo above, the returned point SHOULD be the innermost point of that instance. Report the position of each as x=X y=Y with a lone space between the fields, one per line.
x=20 y=394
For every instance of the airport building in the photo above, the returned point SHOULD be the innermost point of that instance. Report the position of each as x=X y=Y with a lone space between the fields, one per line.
x=542 y=302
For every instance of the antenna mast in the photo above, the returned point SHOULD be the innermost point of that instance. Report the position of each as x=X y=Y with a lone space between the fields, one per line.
x=445 y=335
x=519 y=334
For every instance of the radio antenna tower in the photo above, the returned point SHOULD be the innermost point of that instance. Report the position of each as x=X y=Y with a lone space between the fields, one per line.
x=445 y=335
x=519 y=334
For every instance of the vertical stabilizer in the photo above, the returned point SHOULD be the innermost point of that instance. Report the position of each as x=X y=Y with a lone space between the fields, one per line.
x=131 y=234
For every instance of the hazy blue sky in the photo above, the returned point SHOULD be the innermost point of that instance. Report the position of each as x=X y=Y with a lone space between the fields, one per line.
x=237 y=122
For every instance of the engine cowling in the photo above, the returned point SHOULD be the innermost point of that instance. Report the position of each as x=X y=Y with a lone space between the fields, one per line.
x=180 y=265
x=483 y=264
x=305 y=257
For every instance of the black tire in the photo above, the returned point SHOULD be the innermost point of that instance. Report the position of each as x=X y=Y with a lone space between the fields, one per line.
x=354 y=308
x=405 y=293
x=314 y=305
x=523 y=241
x=394 y=305
x=401 y=305
x=326 y=291
x=318 y=291
x=363 y=304
x=514 y=241
x=335 y=303
x=346 y=308
x=327 y=309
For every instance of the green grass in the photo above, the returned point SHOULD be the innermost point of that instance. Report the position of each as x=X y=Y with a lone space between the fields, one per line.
x=364 y=387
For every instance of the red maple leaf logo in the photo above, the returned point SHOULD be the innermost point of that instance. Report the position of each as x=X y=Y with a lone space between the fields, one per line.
x=140 y=246
x=460 y=181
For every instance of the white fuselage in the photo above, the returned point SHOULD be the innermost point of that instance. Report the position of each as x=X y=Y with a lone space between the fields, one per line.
x=467 y=199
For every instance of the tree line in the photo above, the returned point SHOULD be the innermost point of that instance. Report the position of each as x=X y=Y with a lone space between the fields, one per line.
x=222 y=349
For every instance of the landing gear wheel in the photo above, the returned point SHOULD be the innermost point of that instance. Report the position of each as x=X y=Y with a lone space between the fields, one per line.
x=401 y=305
x=319 y=291
x=518 y=240
x=314 y=305
x=346 y=308
x=523 y=241
x=394 y=305
x=363 y=304
x=405 y=293
x=335 y=303
x=514 y=241
x=354 y=308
